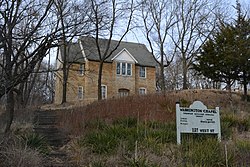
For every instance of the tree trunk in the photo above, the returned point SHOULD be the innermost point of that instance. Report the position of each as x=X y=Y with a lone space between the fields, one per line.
x=245 y=91
x=64 y=57
x=162 y=79
x=184 y=73
x=228 y=87
x=64 y=95
x=9 y=110
x=65 y=73
x=244 y=86
x=100 y=80
x=20 y=95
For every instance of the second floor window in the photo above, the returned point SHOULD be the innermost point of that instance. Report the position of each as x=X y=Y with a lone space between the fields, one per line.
x=81 y=69
x=129 y=70
x=142 y=72
x=124 y=68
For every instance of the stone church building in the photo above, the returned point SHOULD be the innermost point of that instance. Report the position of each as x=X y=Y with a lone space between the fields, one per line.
x=130 y=70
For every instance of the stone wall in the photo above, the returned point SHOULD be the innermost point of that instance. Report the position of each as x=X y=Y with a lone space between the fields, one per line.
x=109 y=78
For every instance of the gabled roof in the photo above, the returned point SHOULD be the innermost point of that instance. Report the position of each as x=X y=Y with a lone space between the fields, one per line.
x=74 y=53
x=138 y=51
x=124 y=49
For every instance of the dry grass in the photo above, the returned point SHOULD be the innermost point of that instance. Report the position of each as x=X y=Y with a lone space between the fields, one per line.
x=81 y=121
x=23 y=119
x=150 y=107
x=14 y=153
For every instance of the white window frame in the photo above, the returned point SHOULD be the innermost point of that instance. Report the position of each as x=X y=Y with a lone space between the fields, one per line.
x=123 y=92
x=130 y=69
x=141 y=72
x=145 y=91
x=81 y=69
x=80 y=92
x=106 y=91
x=118 y=68
x=122 y=68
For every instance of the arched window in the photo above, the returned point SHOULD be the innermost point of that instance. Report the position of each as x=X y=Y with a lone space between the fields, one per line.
x=142 y=91
x=123 y=92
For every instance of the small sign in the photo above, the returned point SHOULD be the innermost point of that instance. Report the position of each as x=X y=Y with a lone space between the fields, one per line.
x=197 y=119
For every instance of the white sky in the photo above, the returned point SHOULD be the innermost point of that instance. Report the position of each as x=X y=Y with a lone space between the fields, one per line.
x=138 y=37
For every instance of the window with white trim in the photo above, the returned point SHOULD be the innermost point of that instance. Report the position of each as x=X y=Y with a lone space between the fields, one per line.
x=104 y=91
x=81 y=69
x=118 y=68
x=142 y=91
x=80 y=92
x=129 y=69
x=124 y=69
x=123 y=92
x=142 y=72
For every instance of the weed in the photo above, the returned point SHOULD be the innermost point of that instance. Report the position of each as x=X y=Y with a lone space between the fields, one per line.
x=36 y=141
x=126 y=122
x=139 y=162
x=202 y=153
x=111 y=128
x=98 y=164
x=243 y=124
x=101 y=142
x=243 y=152
x=13 y=152
x=185 y=103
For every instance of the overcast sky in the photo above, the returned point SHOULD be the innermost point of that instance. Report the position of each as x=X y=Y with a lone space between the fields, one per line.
x=137 y=36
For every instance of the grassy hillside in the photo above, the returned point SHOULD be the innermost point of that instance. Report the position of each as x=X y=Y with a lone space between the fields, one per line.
x=155 y=107
x=141 y=131
x=137 y=131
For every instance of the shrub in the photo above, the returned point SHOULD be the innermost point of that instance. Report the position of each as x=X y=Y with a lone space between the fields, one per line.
x=35 y=141
x=230 y=121
x=243 y=152
x=243 y=124
x=98 y=164
x=101 y=142
x=14 y=153
x=226 y=130
x=140 y=161
x=126 y=122
x=206 y=152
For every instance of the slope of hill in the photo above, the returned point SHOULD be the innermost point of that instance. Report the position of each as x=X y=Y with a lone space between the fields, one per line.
x=141 y=131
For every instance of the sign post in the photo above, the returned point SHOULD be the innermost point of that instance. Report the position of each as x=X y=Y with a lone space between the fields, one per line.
x=197 y=119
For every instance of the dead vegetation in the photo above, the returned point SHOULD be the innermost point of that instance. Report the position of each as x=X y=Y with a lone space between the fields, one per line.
x=154 y=107
x=137 y=130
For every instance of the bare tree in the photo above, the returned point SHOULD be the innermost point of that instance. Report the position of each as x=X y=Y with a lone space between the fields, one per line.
x=173 y=74
x=38 y=88
x=158 y=17
x=24 y=89
x=196 y=21
x=73 y=19
x=107 y=16
x=26 y=36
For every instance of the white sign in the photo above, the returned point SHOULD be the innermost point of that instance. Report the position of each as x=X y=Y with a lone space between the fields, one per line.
x=197 y=119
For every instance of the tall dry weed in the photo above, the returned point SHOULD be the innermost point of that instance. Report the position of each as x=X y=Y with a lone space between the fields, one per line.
x=150 y=107
x=14 y=153
x=156 y=107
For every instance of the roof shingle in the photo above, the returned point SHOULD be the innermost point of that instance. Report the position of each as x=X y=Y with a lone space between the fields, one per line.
x=138 y=51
